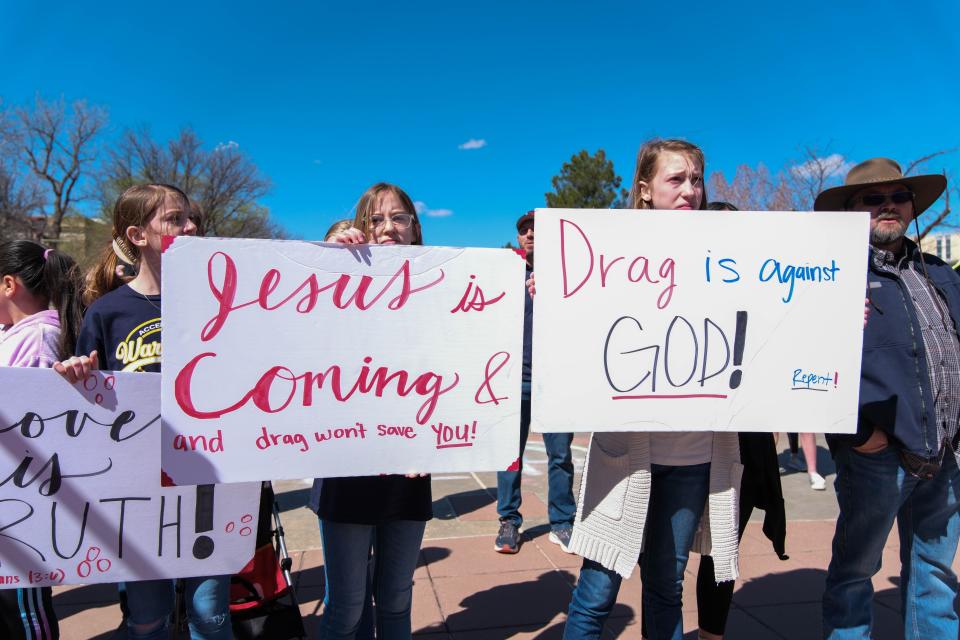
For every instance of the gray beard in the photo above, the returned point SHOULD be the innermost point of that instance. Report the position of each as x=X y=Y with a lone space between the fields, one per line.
x=887 y=236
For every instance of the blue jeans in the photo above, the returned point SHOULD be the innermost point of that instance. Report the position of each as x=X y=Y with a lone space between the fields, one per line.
x=365 y=630
x=678 y=496
x=560 y=505
x=346 y=557
x=872 y=490
x=150 y=603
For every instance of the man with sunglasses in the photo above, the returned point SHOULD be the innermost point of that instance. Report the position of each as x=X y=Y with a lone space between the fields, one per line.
x=902 y=462
x=561 y=507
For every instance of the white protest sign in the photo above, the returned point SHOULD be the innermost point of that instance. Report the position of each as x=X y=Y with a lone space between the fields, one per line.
x=689 y=321
x=80 y=493
x=291 y=359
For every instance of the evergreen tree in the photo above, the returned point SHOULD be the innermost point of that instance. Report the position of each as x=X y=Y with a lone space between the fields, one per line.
x=587 y=182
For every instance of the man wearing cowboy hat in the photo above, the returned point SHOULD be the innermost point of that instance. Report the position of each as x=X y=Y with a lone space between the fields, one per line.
x=902 y=462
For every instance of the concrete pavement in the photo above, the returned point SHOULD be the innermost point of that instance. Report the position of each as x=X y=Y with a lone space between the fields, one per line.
x=465 y=591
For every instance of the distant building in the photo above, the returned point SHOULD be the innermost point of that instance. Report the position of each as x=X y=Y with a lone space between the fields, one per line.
x=19 y=228
x=945 y=246
x=82 y=237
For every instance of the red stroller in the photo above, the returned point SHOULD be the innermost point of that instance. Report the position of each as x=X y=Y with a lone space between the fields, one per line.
x=263 y=603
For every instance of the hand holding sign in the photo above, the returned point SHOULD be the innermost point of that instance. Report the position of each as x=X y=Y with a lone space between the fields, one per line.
x=77 y=368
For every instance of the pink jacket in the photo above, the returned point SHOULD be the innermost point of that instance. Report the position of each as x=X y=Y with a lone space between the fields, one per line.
x=32 y=342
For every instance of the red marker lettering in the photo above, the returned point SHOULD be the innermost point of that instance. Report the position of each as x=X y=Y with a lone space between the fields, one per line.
x=477 y=302
x=428 y=385
x=225 y=292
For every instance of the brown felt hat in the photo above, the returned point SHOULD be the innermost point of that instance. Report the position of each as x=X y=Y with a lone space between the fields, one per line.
x=876 y=171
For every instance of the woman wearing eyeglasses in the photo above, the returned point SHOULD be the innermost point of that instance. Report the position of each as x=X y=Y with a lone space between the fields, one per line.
x=372 y=526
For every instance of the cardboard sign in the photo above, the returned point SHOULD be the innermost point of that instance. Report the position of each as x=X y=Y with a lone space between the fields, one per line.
x=80 y=493
x=698 y=321
x=291 y=359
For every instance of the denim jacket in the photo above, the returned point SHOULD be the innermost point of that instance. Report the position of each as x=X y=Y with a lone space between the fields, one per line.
x=895 y=393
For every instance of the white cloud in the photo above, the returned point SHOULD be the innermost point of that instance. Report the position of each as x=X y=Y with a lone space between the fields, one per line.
x=423 y=210
x=229 y=144
x=472 y=143
x=834 y=165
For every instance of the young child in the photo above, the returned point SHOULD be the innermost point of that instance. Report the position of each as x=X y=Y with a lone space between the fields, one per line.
x=122 y=314
x=40 y=310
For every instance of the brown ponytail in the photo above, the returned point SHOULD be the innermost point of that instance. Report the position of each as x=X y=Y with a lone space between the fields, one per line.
x=102 y=277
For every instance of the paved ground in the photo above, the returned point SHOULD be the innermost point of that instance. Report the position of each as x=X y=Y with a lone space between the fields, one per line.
x=465 y=591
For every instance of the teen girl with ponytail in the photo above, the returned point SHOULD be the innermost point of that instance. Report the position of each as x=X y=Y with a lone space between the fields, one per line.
x=647 y=492
x=121 y=332
x=40 y=311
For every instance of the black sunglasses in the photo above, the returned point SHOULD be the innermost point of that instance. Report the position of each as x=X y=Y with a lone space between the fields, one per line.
x=877 y=199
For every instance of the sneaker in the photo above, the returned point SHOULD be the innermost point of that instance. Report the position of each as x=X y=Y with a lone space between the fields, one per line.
x=817 y=482
x=796 y=463
x=508 y=539
x=561 y=537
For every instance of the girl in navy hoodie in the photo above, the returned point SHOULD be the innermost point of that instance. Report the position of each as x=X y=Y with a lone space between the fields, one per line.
x=121 y=332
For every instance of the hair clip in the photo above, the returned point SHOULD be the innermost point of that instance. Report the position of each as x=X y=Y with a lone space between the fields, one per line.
x=122 y=252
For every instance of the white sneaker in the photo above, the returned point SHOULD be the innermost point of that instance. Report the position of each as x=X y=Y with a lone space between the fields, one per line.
x=561 y=537
x=817 y=482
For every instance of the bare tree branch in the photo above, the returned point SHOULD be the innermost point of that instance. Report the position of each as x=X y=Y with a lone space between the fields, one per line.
x=798 y=185
x=21 y=199
x=223 y=182
x=56 y=145
x=930 y=156
x=938 y=219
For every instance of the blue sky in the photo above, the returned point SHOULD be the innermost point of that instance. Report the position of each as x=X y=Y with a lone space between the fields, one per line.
x=329 y=98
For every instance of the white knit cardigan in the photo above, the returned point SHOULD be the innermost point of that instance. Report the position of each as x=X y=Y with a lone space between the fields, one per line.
x=615 y=490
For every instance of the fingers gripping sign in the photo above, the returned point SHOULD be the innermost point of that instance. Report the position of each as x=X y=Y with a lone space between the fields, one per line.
x=77 y=368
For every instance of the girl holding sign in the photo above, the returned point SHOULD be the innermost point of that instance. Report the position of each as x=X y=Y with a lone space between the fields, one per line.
x=372 y=527
x=41 y=311
x=121 y=332
x=666 y=481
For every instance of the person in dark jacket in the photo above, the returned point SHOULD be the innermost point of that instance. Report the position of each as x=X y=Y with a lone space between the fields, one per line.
x=561 y=508
x=902 y=462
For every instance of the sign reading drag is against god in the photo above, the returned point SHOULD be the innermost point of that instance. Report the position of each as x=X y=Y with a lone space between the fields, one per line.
x=292 y=359
x=703 y=320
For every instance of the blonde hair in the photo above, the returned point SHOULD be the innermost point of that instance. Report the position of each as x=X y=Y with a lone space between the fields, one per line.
x=134 y=208
x=647 y=159
x=337 y=227
x=368 y=202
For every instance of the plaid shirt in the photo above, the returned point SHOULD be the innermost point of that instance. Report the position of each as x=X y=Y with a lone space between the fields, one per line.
x=939 y=333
